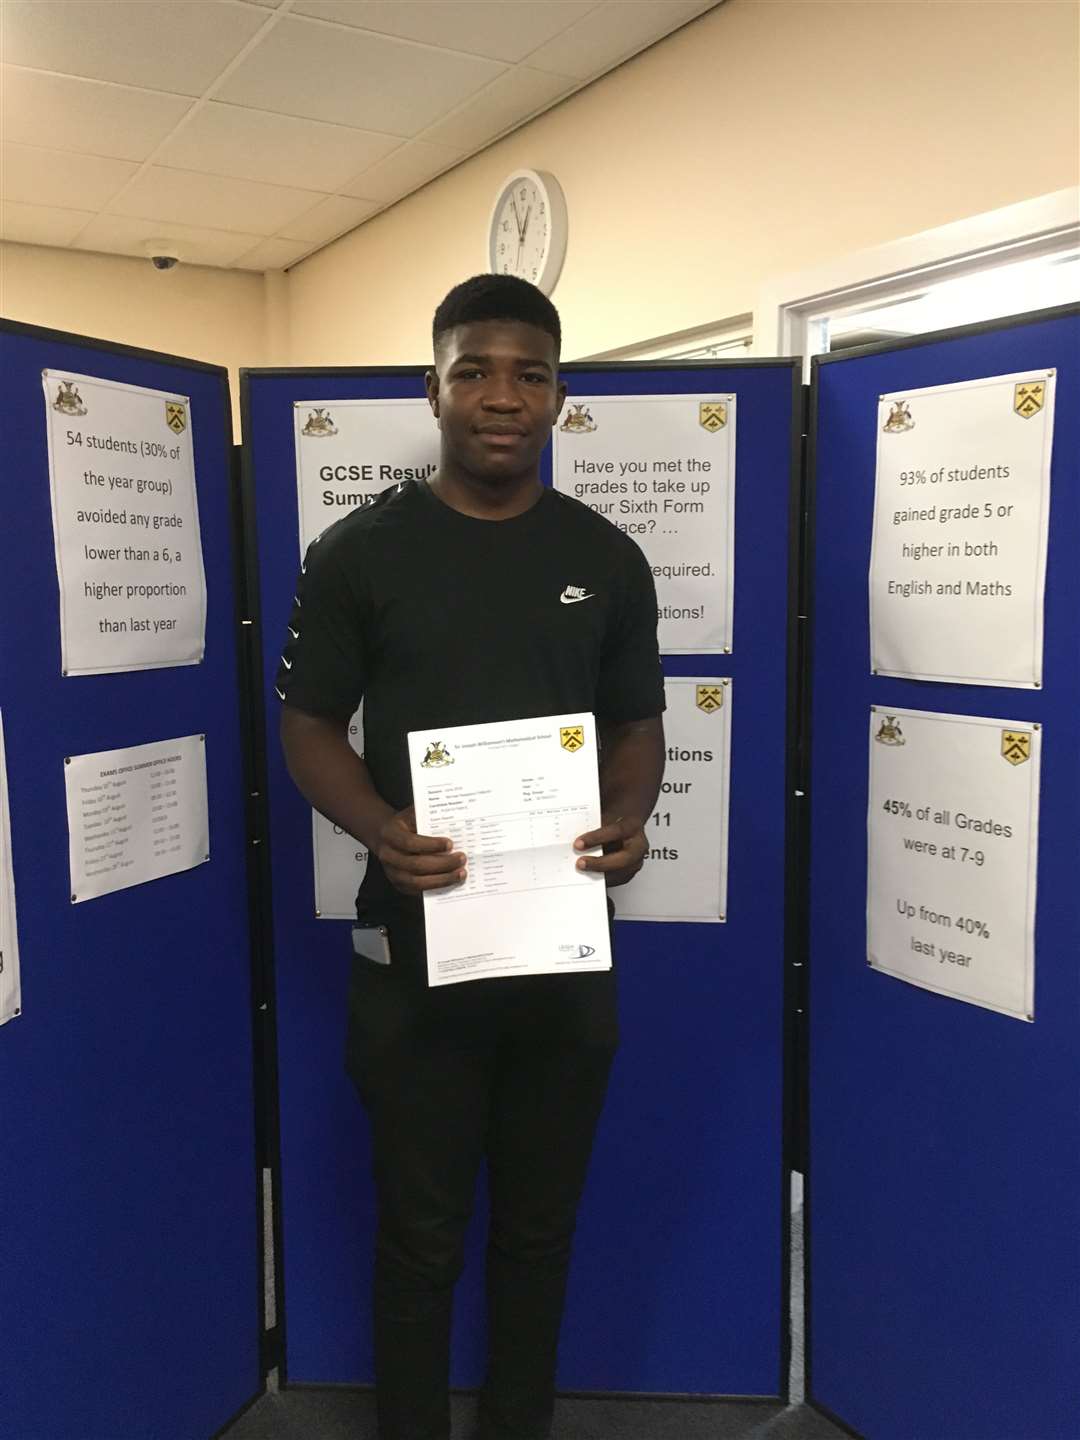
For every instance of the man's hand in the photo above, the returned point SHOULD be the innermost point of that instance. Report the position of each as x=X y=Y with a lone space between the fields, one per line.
x=625 y=847
x=414 y=863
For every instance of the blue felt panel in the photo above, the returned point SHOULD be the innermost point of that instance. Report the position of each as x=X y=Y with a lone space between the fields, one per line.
x=676 y=1285
x=945 y=1138
x=129 y=1262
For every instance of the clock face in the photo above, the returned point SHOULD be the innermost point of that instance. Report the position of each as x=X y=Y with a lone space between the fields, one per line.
x=527 y=235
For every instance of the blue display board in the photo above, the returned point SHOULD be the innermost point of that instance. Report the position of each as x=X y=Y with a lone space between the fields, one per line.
x=129 y=1269
x=677 y=1283
x=945 y=1138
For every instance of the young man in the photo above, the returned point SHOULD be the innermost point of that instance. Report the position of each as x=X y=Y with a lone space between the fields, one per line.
x=445 y=603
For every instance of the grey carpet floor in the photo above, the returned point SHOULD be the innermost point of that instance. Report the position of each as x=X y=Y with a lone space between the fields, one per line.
x=350 y=1415
x=342 y=1414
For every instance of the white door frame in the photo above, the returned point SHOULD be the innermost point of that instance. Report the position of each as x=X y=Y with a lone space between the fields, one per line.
x=787 y=303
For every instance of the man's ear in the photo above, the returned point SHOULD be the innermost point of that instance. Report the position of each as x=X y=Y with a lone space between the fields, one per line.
x=560 y=399
x=431 y=385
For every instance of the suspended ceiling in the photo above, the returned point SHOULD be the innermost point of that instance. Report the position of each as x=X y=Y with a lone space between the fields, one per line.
x=248 y=133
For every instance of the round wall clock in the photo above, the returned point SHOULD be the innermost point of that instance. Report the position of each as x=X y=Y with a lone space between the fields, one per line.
x=527 y=231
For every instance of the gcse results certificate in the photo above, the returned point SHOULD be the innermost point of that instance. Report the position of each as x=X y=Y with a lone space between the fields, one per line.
x=513 y=797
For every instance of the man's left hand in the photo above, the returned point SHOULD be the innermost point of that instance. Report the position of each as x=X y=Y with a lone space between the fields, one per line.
x=625 y=847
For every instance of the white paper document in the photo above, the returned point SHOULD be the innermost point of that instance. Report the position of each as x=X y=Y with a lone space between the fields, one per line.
x=125 y=526
x=662 y=468
x=685 y=874
x=953 y=824
x=136 y=814
x=10 y=993
x=513 y=797
x=961 y=518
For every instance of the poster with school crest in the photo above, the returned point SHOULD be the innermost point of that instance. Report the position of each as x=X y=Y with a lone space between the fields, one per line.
x=662 y=469
x=125 y=513
x=953 y=849
x=347 y=453
x=961 y=520
x=684 y=877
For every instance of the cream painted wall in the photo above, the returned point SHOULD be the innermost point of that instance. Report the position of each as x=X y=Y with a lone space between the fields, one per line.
x=194 y=311
x=764 y=137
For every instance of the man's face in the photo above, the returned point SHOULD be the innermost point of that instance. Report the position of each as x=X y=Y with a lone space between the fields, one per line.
x=495 y=392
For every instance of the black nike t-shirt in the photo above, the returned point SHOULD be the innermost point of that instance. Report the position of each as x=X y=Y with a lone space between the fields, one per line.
x=435 y=619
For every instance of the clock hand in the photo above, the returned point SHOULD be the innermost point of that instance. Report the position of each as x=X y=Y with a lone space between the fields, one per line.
x=517 y=218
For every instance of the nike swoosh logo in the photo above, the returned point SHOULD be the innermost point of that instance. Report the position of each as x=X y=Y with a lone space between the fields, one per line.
x=286 y=663
x=575 y=599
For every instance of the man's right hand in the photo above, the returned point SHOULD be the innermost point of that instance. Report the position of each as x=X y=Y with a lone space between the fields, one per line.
x=414 y=863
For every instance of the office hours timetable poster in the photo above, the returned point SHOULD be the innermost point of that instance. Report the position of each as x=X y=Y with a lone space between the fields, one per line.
x=125 y=526
x=961 y=519
x=347 y=453
x=953 y=838
x=10 y=990
x=662 y=468
x=136 y=814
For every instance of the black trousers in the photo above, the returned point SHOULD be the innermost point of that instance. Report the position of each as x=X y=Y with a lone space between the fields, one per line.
x=512 y=1069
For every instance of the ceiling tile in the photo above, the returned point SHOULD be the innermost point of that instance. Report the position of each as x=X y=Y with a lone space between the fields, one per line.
x=330 y=218
x=615 y=31
x=273 y=254
x=62 y=113
x=122 y=235
x=403 y=172
x=513 y=96
x=325 y=72
x=276 y=149
x=40 y=224
x=56 y=177
x=174 y=196
x=478 y=27
x=154 y=44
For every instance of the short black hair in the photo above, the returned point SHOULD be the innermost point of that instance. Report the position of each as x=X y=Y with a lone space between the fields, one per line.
x=496 y=297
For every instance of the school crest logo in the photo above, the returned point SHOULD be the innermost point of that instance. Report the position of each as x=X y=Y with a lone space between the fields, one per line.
x=890 y=732
x=437 y=755
x=68 y=400
x=578 y=421
x=709 y=698
x=176 y=416
x=572 y=737
x=1016 y=746
x=318 y=424
x=712 y=415
x=899 y=419
x=1028 y=398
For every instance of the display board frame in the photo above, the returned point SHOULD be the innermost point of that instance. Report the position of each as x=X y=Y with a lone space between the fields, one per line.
x=286 y=811
x=907 y=1328
x=112 y=1148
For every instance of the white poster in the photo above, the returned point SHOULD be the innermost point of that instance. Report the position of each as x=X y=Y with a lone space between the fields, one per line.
x=10 y=989
x=662 y=468
x=347 y=453
x=685 y=875
x=136 y=814
x=953 y=832
x=350 y=451
x=340 y=860
x=961 y=517
x=125 y=526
